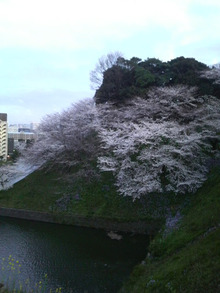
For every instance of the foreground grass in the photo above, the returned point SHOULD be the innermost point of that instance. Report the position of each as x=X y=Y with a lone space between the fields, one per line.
x=188 y=260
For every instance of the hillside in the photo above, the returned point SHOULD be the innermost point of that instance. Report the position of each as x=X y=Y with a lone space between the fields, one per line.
x=186 y=260
x=65 y=195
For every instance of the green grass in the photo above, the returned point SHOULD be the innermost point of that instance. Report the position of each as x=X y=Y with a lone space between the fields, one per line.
x=97 y=198
x=188 y=260
x=35 y=192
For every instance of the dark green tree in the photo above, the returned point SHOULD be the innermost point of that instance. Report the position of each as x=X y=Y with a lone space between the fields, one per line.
x=129 y=78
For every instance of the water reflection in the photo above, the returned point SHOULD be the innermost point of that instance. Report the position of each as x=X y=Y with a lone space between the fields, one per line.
x=78 y=258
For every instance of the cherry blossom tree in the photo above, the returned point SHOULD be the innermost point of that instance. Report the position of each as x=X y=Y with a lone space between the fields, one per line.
x=12 y=173
x=213 y=74
x=66 y=139
x=4 y=176
x=161 y=143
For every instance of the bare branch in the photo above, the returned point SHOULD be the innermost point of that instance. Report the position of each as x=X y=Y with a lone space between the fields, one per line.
x=104 y=63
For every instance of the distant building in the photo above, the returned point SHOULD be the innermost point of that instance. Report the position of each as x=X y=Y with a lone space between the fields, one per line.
x=13 y=128
x=22 y=125
x=18 y=137
x=34 y=126
x=24 y=130
x=18 y=133
x=11 y=145
x=3 y=137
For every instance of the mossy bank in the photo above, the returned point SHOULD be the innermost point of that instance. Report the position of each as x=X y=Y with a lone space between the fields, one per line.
x=60 y=198
x=188 y=259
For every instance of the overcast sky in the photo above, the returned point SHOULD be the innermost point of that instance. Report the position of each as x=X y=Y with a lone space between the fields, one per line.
x=48 y=47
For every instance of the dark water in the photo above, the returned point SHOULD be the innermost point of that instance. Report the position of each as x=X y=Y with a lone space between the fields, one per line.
x=76 y=259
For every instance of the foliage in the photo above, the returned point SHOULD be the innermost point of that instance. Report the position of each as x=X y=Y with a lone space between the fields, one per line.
x=187 y=260
x=143 y=78
x=7 y=171
x=185 y=71
x=162 y=143
x=15 y=155
x=211 y=81
x=105 y=62
x=66 y=139
x=116 y=85
x=11 y=172
x=213 y=74
x=129 y=78
x=78 y=196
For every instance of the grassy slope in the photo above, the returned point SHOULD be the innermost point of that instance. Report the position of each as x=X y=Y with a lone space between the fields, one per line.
x=98 y=198
x=188 y=260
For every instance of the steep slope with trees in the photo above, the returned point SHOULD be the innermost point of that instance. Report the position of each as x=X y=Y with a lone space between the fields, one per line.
x=159 y=142
x=185 y=260
x=141 y=150
x=162 y=143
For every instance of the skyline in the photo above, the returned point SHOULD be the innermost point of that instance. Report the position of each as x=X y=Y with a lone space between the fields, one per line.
x=48 y=48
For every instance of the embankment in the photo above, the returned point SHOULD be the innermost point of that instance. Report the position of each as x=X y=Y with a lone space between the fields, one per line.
x=186 y=260
x=139 y=227
x=50 y=197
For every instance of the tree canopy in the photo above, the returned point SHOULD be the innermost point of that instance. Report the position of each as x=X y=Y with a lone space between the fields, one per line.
x=157 y=144
x=128 y=78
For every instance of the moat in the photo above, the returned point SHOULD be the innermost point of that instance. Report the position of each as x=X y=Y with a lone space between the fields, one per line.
x=74 y=258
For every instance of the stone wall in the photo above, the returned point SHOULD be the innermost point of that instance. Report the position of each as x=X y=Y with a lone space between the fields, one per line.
x=139 y=227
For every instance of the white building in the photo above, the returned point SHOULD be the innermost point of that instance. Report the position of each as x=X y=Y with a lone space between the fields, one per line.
x=3 y=137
